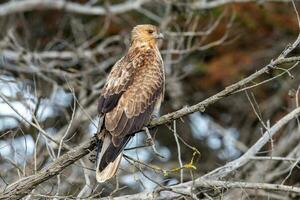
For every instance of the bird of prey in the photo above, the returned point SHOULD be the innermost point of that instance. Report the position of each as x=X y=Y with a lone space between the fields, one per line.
x=131 y=95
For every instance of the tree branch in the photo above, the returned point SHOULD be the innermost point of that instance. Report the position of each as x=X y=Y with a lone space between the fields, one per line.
x=188 y=187
x=226 y=92
x=24 y=186
x=218 y=3
x=12 y=7
x=241 y=161
x=28 y=5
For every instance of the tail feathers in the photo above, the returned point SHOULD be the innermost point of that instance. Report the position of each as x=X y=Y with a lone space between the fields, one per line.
x=109 y=158
x=109 y=171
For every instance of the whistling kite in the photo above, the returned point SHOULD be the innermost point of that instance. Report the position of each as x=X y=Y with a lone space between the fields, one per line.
x=133 y=92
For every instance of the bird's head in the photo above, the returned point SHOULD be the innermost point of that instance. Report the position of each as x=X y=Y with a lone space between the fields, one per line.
x=146 y=34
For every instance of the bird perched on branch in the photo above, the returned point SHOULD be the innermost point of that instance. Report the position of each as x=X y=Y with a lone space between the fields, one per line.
x=131 y=95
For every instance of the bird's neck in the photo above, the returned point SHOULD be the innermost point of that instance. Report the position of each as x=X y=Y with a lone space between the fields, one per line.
x=137 y=48
x=146 y=44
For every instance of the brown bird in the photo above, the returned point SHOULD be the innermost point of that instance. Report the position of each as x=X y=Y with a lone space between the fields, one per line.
x=132 y=94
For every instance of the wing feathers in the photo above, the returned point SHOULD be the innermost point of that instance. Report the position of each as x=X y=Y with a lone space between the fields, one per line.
x=112 y=119
x=117 y=82
x=131 y=125
x=121 y=125
x=106 y=104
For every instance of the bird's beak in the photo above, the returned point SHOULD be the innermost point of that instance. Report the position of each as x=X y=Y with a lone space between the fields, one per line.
x=159 y=36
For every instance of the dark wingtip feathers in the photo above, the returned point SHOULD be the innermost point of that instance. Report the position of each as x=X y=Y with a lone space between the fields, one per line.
x=106 y=104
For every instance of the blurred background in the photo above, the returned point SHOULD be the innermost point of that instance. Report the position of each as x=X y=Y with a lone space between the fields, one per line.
x=54 y=61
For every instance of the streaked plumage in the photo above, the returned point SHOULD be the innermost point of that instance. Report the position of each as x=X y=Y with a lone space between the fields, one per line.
x=133 y=91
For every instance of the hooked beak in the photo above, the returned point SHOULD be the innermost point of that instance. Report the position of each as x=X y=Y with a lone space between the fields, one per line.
x=159 y=36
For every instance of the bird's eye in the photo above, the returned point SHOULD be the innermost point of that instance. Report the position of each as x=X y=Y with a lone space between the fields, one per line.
x=150 y=31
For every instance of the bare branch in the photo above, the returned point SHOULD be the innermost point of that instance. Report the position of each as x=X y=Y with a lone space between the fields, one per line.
x=187 y=187
x=12 y=7
x=24 y=186
x=233 y=165
x=28 y=5
x=226 y=92
x=217 y=3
